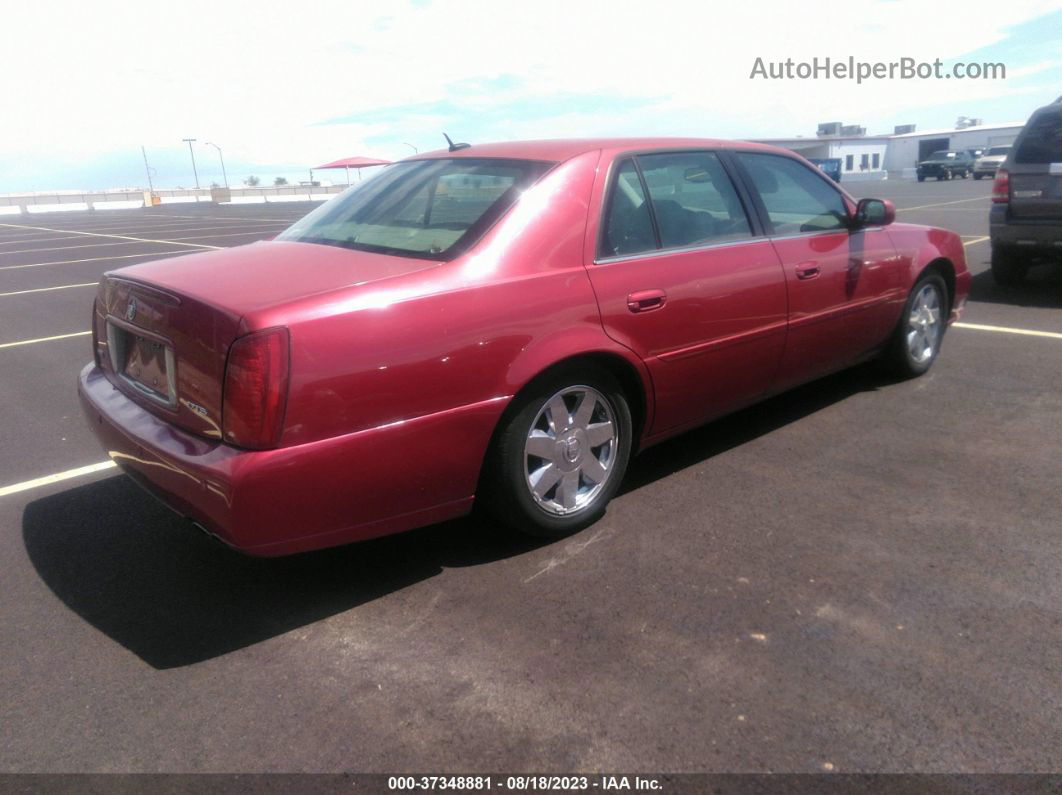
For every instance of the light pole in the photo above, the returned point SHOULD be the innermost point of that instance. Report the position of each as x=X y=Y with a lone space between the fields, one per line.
x=417 y=151
x=190 y=141
x=224 y=176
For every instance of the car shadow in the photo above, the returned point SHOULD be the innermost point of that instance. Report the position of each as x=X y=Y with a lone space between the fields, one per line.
x=1041 y=287
x=174 y=597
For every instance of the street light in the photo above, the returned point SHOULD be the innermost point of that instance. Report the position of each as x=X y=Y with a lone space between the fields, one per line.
x=189 y=141
x=224 y=176
x=413 y=148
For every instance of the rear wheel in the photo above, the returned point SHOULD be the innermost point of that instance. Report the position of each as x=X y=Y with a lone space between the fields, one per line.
x=978 y=175
x=917 y=338
x=1007 y=267
x=561 y=455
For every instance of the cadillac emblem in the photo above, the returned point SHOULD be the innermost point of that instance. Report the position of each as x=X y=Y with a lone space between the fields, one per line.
x=130 y=310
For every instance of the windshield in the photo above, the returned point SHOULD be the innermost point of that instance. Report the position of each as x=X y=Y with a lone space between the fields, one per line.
x=941 y=156
x=433 y=209
x=997 y=150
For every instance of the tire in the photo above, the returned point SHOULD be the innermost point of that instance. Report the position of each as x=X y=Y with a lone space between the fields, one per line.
x=977 y=176
x=569 y=462
x=965 y=174
x=921 y=178
x=1007 y=268
x=919 y=333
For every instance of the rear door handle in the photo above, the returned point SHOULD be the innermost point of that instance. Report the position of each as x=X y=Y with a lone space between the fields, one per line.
x=646 y=300
x=808 y=270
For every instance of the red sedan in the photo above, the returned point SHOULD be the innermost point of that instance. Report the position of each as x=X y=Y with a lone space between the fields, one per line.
x=505 y=323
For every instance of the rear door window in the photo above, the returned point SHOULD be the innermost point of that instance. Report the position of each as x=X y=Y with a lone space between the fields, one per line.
x=691 y=202
x=796 y=198
x=1041 y=140
x=628 y=225
x=693 y=199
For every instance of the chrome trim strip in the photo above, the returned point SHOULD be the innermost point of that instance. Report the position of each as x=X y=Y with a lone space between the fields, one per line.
x=660 y=252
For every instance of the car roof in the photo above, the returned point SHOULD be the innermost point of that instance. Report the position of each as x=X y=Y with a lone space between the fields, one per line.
x=559 y=149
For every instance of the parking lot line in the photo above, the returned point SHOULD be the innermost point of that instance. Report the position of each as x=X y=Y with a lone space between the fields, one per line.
x=175 y=241
x=14 y=488
x=46 y=289
x=95 y=259
x=43 y=339
x=1007 y=330
x=98 y=234
x=942 y=204
x=975 y=241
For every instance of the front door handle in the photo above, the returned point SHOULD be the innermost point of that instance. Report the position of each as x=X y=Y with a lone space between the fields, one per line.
x=646 y=300
x=808 y=270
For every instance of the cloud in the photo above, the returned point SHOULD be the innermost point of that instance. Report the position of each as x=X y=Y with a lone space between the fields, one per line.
x=285 y=86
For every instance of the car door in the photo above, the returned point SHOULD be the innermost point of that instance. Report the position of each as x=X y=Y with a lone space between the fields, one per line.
x=841 y=282
x=685 y=278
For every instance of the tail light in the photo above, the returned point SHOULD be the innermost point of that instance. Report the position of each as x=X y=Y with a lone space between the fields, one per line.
x=1001 y=187
x=256 y=389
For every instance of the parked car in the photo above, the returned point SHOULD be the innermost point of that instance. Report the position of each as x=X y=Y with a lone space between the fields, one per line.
x=988 y=164
x=945 y=165
x=502 y=325
x=1025 y=221
x=830 y=166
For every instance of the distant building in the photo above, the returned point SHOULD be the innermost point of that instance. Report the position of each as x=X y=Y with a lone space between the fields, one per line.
x=895 y=155
x=859 y=154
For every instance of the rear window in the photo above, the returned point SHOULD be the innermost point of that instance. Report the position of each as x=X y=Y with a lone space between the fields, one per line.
x=432 y=209
x=997 y=150
x=1041 y=140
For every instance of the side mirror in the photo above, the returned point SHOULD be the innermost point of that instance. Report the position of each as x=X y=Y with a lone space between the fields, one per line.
x=874 y=212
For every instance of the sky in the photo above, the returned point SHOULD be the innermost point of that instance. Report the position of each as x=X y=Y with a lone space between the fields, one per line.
x=282 y=86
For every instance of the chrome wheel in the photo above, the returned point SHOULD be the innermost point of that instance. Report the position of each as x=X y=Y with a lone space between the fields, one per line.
x=924 y=324
x=570 y=450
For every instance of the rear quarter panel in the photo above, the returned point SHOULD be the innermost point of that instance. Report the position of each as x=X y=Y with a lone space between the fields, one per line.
x=466 y=334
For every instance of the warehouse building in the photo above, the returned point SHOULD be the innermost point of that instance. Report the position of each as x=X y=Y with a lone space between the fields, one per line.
x=894 y=156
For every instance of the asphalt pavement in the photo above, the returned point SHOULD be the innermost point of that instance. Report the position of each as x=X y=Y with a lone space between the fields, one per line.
x=860 y=575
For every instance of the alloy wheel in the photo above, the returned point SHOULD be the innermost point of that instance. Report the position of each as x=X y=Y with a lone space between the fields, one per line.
x=570 y=451
x=924 y=324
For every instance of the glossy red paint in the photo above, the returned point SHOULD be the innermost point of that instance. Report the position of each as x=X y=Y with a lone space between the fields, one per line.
x=401 y=368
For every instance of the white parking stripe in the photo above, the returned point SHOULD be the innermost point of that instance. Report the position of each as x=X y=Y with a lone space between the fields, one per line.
x=43 y=339
x=1007 y=330
x=46 y=289
x=49 y=479
x=175 y=240
x=975 y=241
x=97 y=234
x=96 y=259
x=942 y=204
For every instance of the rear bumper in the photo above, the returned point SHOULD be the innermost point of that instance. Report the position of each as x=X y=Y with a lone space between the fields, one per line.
x=320 y=494
x=1041 y=235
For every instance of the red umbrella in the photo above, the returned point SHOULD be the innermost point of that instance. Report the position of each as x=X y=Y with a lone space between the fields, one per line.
x=355 y=162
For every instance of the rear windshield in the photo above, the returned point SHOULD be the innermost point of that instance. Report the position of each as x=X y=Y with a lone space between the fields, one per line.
x=432 y=209
x=997 y=150
x=1041 y=140
x=943 y=155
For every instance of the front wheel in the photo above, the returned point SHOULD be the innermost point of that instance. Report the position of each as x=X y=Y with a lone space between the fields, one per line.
x=561 y=454
x=917 y=338
x=921 y=178
x=978 y=175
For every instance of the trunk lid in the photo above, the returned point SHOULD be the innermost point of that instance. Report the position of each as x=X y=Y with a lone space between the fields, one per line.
x=167 y=325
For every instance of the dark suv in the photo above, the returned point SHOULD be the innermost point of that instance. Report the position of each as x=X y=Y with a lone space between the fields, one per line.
x=1026 y=217
x=945 y=165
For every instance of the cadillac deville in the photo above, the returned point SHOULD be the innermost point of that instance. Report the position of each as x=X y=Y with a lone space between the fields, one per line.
x=502 y=325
